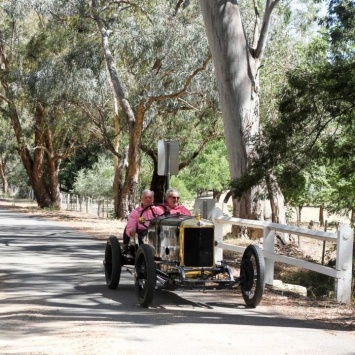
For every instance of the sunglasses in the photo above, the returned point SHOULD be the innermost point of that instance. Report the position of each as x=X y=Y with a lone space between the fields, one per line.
x=175 y=197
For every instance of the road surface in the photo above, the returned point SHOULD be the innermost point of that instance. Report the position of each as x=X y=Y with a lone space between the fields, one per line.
x=54 y=300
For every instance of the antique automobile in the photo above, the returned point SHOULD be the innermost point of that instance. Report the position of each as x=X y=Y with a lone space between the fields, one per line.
x=178 y=251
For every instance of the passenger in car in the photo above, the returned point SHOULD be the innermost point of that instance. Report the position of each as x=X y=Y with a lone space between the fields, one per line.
x=172 y=198
x=133 y=226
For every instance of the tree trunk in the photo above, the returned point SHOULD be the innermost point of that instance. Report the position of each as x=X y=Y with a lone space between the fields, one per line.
x=130 y=186
x=158 y=182
x=129 y=189
x=53 y=163
x=321 y=215
x=35 y=167
x=118 y=164
x=46 y=194
x=299 y=215
x=3 y=176
x=41 y=166
x=235 y=71
x=217 y=194
x=276 y=200
x=158 y=185
x=236 y=68
x=352 y=217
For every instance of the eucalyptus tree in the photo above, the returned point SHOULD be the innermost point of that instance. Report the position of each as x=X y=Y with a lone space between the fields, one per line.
x=320 y=99
x=237 y=61
x=156 y=57
x=41 y=89
x=96 y=182
x=84 y=157
x=317 y=103
x=7 y=152
x=193 y=130
x=238 y=47
x=209 y=171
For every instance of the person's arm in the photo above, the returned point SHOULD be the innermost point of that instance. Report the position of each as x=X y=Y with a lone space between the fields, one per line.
x=183 y=210
x=132 y=223
x=159 y=210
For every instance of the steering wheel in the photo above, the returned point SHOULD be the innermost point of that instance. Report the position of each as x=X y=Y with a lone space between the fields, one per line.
x=143 y=221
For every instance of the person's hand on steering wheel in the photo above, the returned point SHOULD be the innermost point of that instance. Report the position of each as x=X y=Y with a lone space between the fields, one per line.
x=142 y=220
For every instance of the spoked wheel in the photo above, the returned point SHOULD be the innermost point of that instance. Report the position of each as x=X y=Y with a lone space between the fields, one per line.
x=145 y=275
x=113 y=262
x=252 y=272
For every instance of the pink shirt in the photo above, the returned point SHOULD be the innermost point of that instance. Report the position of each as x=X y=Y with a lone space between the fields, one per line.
x=133 y=218
x=178 y=209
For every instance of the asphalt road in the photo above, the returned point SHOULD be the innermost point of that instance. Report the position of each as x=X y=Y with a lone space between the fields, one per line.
x=54 y=300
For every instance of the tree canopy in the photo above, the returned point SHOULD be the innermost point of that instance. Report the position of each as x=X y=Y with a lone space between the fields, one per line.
x=316 y=116
x=80 y=77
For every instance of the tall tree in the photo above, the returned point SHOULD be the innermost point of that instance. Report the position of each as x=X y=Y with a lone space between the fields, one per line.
x=237 y=64
x=38 y=88
x=7 y=152
x=317 y=103
x=156 y=57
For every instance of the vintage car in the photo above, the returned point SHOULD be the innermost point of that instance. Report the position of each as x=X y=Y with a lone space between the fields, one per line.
x=178 y=251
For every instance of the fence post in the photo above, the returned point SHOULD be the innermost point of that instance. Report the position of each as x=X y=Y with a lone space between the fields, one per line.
x=80 y=203
x=269 y=246
x=344 y=263
x=99 y=208
x=68 y=201
x=218 y=233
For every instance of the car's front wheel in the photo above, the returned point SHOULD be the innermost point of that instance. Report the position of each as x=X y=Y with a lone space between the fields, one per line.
x=145 y=275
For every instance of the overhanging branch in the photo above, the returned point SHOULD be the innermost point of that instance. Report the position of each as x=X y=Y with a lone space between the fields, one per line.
x=270 y=5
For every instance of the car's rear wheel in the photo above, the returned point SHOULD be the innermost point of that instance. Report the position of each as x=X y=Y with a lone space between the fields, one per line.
x=145 y=275
x=252 y=272
x=113 y=262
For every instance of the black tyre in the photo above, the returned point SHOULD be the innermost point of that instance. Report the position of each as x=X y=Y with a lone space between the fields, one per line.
x=145 y=275
x=252 y=272
x=113 y=262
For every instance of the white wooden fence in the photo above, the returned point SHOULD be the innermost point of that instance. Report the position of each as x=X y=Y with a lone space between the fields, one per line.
x=342 y=273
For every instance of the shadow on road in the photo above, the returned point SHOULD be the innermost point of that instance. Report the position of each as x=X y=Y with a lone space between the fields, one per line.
x=50 y=273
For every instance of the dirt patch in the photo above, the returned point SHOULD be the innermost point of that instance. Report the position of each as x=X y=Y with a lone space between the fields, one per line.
x=334 y=315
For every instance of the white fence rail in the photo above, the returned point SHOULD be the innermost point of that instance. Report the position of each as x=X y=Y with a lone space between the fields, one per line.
x=343 y=239
x=342 y=273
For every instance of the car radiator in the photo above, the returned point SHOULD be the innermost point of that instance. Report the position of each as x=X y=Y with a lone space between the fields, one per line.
x=198 y=247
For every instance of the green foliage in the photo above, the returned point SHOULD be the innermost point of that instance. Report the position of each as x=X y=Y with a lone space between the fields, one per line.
x=96 y=182
x=209 y=171
x=17 y=177
x=310 y=147
x=158 y=51
x=82 y=158
x=185 y=194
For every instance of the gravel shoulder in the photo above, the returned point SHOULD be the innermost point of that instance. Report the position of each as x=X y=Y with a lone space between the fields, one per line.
x=331 y=314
